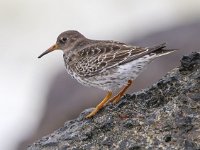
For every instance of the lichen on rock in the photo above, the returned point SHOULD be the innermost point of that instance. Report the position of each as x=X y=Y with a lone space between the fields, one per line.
x=165 y=116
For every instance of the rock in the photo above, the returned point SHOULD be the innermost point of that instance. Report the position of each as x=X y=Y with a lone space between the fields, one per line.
x=164 y=116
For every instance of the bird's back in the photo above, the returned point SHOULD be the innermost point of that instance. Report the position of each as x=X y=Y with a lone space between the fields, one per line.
x=101 y=60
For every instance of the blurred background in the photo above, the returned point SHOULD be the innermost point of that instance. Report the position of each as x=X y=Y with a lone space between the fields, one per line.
x=37 y=95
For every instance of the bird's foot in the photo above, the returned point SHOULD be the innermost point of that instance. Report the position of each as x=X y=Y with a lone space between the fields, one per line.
x=100 y=105
x=117 y=98
x=91 y=114
x=107 y=99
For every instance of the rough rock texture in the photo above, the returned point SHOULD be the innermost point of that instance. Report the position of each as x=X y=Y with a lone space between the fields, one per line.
x=165 y=116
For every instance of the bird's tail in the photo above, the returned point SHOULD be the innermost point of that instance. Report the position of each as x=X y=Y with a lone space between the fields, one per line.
x=160 y=51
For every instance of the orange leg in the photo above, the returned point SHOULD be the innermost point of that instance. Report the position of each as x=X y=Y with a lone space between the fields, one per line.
x=116 y=98
x=100 y=105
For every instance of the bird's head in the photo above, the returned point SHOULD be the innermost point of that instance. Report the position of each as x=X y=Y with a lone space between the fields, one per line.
x=65 y=41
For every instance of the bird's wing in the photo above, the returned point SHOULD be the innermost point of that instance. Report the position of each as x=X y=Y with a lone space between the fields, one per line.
x=102 y=56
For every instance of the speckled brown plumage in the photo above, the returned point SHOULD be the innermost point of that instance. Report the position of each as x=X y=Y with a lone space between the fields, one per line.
x=107 y=65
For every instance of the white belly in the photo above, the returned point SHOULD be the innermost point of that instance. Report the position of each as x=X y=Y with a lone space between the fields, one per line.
x=116 y=77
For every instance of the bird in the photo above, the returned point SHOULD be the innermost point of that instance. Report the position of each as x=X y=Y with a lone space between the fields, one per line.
x=105 y=64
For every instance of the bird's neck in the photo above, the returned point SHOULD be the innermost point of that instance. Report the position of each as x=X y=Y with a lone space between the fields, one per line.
x=78 y=45
x=82 y=43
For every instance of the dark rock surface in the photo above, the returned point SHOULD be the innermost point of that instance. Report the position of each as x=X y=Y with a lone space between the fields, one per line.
x=164 y=116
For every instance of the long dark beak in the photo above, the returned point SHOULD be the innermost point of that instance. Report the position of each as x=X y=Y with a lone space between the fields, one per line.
x=52 y=48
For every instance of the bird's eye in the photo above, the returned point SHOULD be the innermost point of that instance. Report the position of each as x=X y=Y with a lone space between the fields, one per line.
x=63 y=40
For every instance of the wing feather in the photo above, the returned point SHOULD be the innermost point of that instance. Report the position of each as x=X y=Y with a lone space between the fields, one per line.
x=94 y=59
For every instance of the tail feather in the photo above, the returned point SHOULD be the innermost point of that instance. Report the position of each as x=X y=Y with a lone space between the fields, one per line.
x=151 y=53
x=159 y=51
x=157 y=47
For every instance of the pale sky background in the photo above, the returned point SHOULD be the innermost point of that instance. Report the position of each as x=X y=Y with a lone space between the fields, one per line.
x=29 y=27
